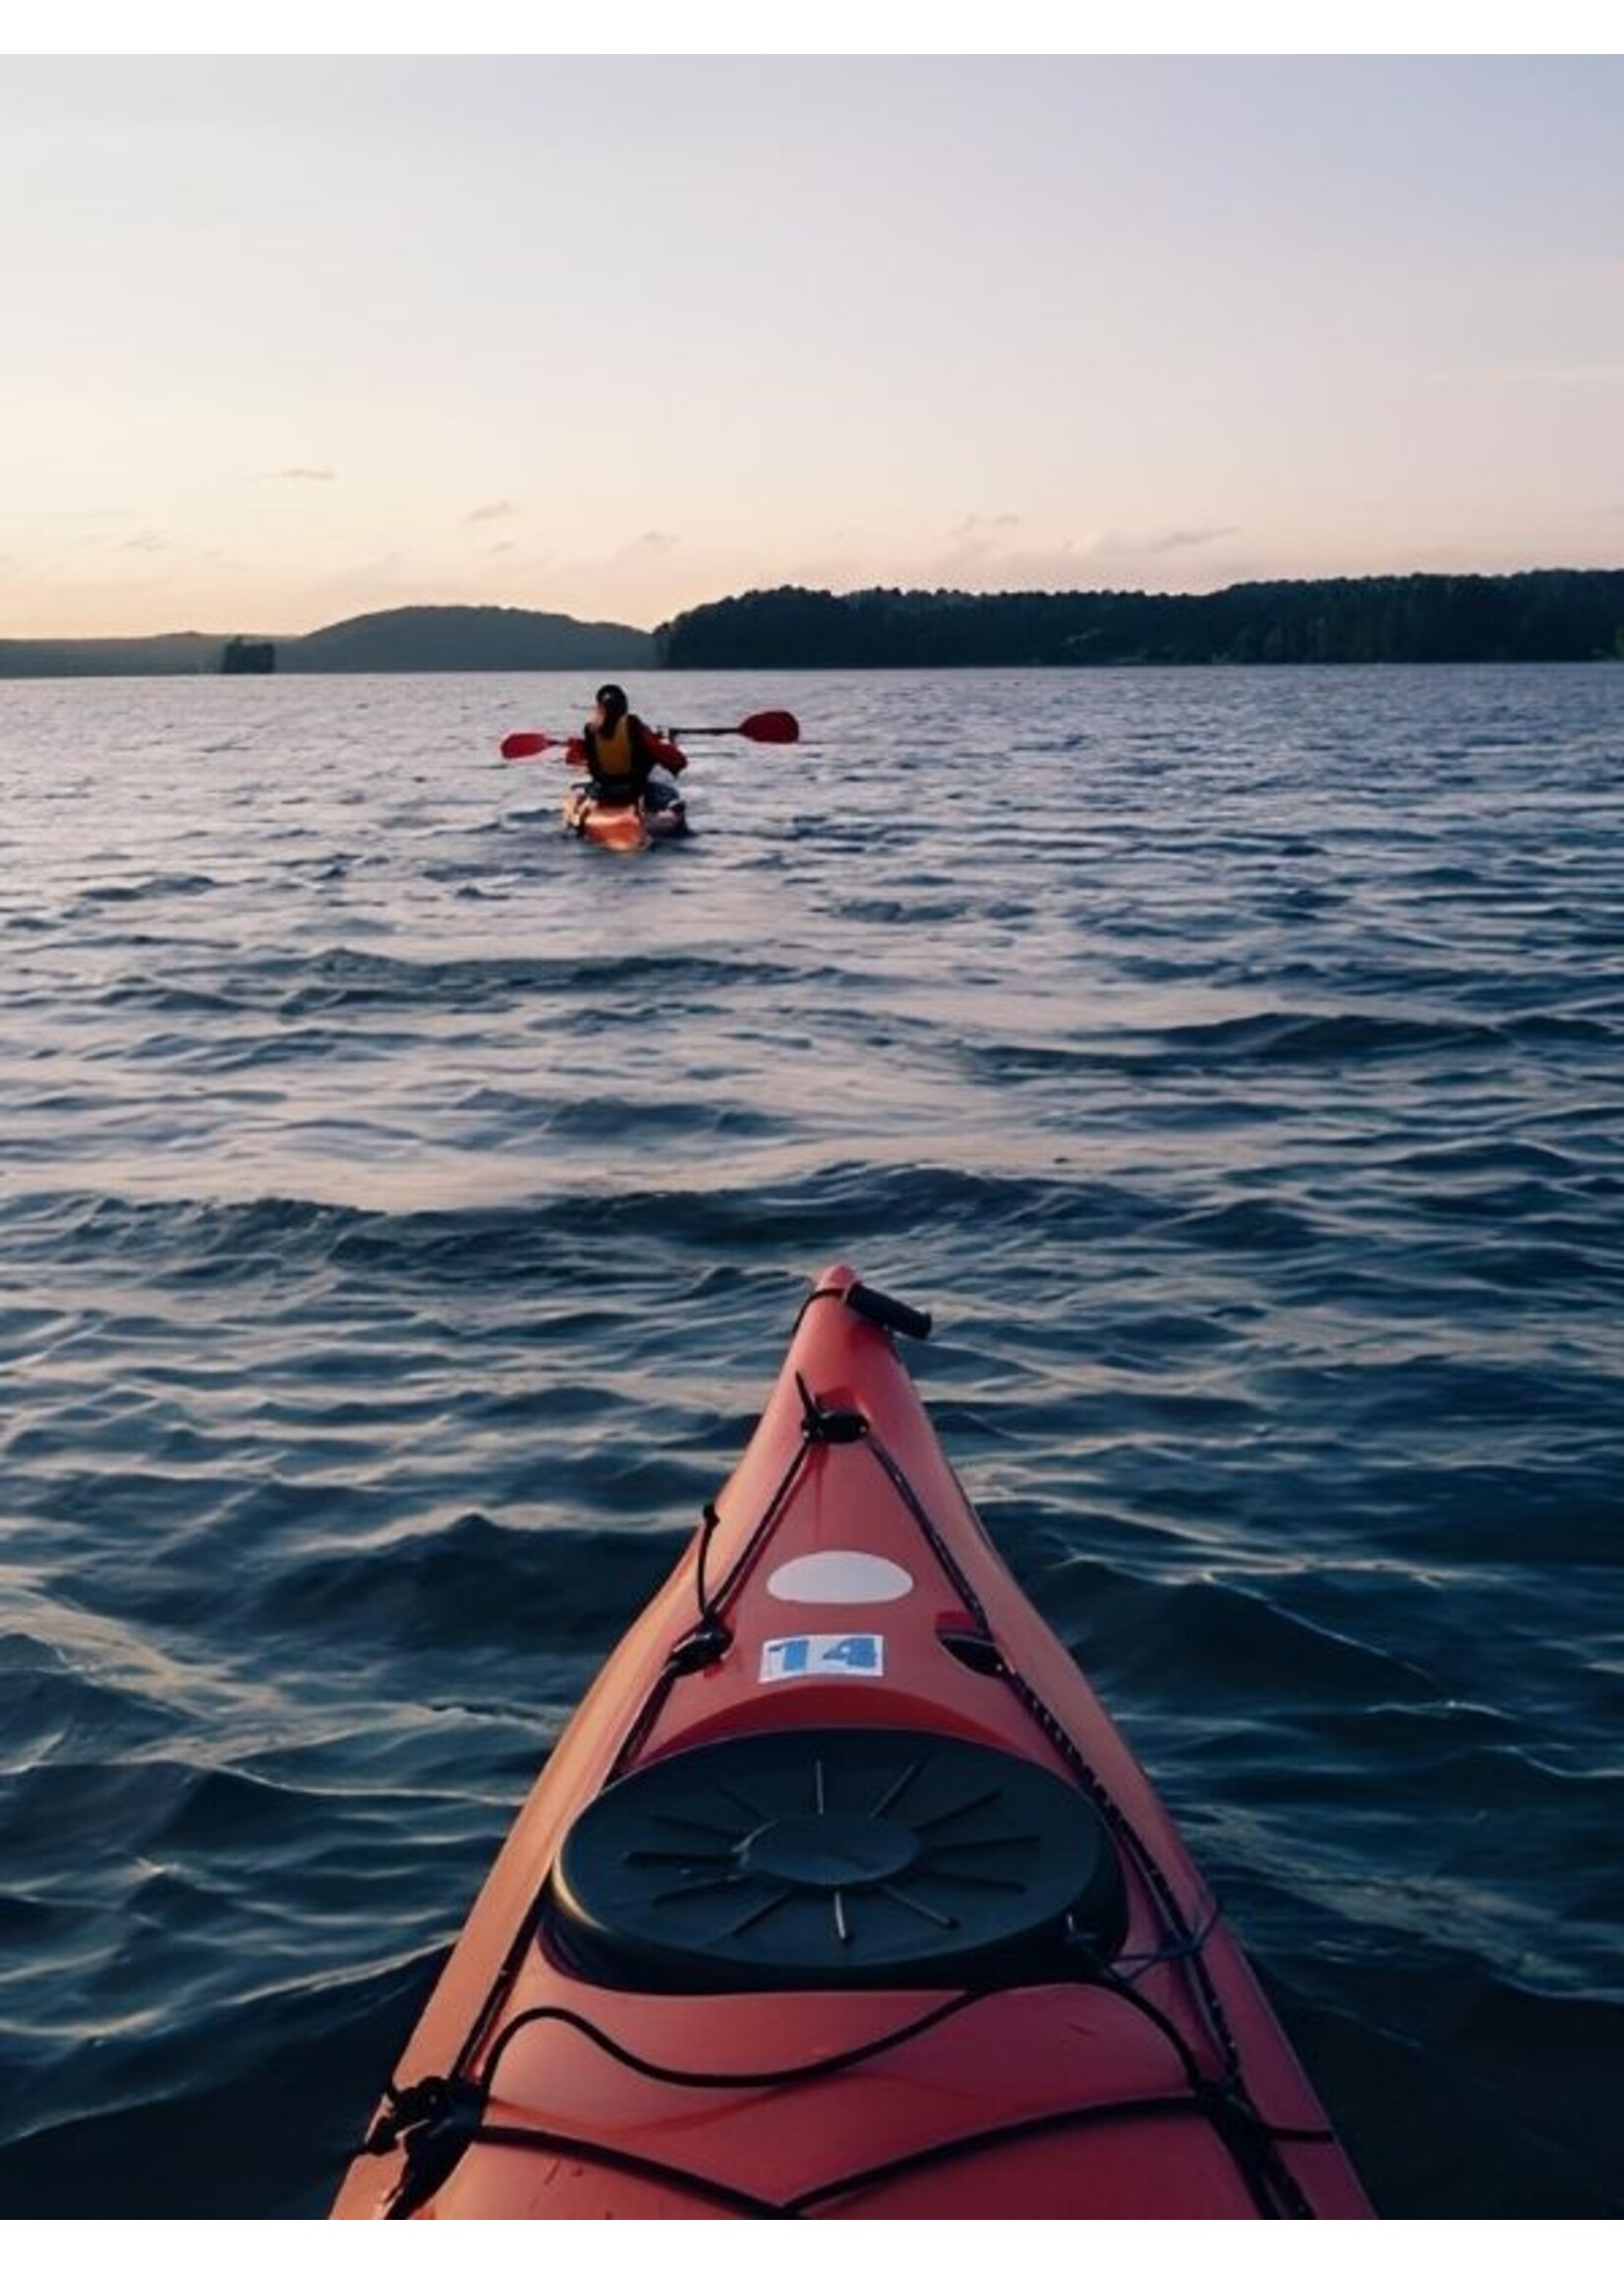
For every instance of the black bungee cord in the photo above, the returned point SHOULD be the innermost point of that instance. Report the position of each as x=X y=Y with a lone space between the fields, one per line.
x=436 y=2121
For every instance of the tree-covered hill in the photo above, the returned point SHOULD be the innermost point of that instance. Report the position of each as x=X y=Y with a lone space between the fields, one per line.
x=467 y=639
x=1542 y=615
x=400 y=639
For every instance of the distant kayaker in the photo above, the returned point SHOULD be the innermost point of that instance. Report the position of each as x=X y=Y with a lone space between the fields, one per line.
x=621 y=754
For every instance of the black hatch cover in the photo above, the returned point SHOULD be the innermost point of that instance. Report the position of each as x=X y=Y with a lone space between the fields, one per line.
x=822 y=1858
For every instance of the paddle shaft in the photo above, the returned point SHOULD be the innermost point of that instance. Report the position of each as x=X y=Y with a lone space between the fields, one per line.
x=760 y=726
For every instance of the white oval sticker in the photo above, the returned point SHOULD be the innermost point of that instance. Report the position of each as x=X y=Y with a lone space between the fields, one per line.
x=839 y=1575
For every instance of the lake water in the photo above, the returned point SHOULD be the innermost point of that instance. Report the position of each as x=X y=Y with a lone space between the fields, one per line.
x=403 y=1208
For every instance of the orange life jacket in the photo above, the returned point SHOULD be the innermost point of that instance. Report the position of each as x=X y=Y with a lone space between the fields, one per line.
x=619 y=759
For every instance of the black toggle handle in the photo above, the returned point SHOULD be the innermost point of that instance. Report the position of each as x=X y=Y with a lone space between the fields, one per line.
x=885 y=1311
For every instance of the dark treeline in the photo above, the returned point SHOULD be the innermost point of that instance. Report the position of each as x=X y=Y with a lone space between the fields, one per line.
x=162 y=655
x=1542 y=615
x=397 y=639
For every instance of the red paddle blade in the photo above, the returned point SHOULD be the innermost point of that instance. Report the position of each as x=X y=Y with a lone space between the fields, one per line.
x=760 y=726
x=527 y=746
x=772 y=727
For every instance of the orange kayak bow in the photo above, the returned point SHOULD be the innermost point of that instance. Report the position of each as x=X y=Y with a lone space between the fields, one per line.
x=842 y=1897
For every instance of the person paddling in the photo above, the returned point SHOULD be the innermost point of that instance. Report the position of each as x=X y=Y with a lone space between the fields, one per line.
x=620 y=753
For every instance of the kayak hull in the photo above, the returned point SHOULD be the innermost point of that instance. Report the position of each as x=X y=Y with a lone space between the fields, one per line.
x=622 y=828
x=841 y=1896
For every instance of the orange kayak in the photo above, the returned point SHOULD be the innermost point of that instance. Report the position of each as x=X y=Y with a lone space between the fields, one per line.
x=622 y=828
x=841 y=1896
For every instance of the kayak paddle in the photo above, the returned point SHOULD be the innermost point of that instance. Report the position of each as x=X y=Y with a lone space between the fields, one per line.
x=760 y=726
x=531 y=745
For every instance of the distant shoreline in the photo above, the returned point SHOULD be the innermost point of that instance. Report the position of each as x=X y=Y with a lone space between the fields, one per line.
x=402 y=639
x=1534 y=616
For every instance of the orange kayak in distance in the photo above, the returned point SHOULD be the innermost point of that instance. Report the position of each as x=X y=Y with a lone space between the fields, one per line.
x=630 y=828
x=842 y=1897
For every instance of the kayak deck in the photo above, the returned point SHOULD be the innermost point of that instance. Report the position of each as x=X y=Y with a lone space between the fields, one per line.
x=841 y=1896
x=629 y=828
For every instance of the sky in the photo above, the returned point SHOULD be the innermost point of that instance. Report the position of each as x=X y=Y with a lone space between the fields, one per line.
x=298 y=336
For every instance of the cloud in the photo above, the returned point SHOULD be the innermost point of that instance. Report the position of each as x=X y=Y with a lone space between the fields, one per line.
x=503 y=510
x=996 y=553
x=980 y=538
x=983 y=528
x=304 y=474
x=97 y=530
x=1182 y=540
x=1553 y=378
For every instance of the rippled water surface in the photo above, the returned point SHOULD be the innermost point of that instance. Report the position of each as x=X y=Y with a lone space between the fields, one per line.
x=404 y=1208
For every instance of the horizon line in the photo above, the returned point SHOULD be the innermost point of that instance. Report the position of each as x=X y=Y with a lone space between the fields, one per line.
x=853 y=592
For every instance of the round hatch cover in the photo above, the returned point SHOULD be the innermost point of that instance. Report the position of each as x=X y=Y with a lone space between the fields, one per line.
x=820 y=1857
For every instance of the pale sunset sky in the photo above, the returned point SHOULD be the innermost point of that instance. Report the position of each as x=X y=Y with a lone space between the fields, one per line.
x=296 y=337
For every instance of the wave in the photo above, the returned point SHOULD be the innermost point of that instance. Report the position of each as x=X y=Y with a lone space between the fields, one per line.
x=403 y=1211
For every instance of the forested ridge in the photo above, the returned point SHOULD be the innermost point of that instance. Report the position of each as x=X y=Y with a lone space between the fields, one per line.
x=1538 y=615
x=399 y=639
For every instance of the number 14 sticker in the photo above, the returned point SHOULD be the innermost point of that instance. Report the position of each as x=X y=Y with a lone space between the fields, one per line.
x=822 y=1654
